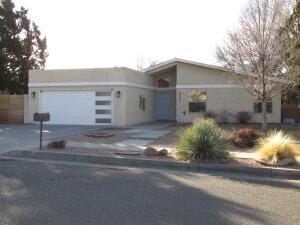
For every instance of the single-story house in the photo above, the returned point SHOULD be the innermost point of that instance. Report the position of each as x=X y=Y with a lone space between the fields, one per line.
x=175 y=90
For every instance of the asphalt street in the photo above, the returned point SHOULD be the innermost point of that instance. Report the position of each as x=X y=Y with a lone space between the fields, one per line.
x=34 y=193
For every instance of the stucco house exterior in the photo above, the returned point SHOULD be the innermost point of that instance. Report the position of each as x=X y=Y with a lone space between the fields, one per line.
x=175 y=90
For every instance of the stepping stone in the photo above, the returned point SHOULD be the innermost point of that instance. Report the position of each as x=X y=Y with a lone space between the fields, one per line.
x=132 y=144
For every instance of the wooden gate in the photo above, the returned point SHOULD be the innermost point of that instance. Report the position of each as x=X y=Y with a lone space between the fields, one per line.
x=290 y=112
x=11 y=109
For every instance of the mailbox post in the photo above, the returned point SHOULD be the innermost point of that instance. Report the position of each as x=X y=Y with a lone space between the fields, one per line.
x=41 y=117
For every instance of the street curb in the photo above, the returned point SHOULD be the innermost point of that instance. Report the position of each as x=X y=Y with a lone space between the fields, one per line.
x=269 y=172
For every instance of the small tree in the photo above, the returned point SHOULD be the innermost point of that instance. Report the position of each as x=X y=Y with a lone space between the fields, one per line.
x=253 y=52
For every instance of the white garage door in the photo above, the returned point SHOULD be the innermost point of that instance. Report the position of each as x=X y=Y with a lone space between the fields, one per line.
x=77 y=107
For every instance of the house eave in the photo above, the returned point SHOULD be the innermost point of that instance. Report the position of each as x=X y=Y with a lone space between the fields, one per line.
x=172 y=62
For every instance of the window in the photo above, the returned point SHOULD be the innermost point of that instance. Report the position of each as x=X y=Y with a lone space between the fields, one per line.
x=103 y=120
x=258 y=106
x=103 y=111
x=102 y=102
x=142 y=103
x=103 y=94
x=164 y=82
x=197 y=101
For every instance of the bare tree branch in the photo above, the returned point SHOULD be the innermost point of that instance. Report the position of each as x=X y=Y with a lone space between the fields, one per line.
x=253 y=52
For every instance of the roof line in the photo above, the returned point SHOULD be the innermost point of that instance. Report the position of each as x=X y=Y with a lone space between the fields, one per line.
x=174 y=60
x=88 y=68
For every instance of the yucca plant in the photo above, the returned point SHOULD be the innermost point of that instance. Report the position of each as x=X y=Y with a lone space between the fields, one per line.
x=276 y=146
x=202 y=140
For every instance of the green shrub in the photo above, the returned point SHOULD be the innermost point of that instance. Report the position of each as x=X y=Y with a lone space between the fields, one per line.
x=202 y=140
x=245 y=137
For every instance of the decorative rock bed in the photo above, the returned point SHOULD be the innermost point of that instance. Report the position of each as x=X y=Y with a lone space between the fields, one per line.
x=150 y=151
x=57 y=144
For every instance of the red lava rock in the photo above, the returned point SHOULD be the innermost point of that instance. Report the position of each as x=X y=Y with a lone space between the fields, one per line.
x=149 y=151
x=56 y=144
x=163 y=152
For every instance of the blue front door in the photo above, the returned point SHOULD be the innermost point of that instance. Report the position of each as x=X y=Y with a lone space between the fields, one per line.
x=162 y=105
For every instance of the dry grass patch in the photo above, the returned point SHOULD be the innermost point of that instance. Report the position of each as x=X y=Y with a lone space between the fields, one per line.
x=277 y=146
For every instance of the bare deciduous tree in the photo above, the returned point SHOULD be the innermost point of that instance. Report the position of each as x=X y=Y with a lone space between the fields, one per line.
x=252 y=52
x=153 y=62
x=141 y=63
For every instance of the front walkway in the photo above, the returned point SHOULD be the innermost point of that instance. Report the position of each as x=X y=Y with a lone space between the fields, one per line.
x=140 y=136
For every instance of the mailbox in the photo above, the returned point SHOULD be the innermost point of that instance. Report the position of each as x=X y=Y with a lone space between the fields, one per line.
x=41 y=117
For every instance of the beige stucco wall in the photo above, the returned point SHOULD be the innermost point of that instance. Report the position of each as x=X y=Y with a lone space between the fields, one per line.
x=231 y=99
x=117 y=74
x=188 y=74
x=133 y=113
x=125 y=109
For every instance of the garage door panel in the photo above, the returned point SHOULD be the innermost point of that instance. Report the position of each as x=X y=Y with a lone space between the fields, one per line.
x=77 y=107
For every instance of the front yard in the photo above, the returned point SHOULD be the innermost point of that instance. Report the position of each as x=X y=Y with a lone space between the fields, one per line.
x=170 y=141
x=131 y=142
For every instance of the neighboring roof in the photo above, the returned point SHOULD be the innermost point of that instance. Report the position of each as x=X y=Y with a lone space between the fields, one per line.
x=173 y=62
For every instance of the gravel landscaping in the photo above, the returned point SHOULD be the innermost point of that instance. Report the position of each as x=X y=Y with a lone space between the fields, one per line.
x=117 y=135
x=168 y=141
x=111 y=153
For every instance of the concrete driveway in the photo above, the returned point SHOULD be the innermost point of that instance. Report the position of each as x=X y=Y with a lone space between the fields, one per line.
x=26 y=136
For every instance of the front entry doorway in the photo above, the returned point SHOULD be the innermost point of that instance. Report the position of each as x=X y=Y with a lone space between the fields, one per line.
x=165 y=105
